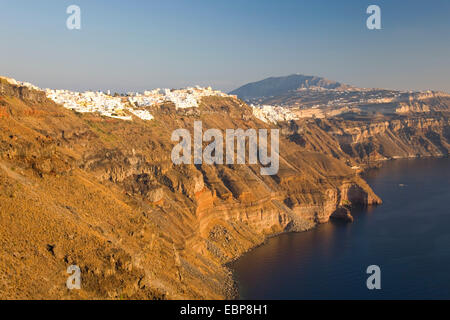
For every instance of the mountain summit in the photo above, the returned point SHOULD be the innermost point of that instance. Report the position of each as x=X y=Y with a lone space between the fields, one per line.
x=275 y=86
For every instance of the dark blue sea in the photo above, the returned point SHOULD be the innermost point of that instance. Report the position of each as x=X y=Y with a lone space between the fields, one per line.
x=408 y=237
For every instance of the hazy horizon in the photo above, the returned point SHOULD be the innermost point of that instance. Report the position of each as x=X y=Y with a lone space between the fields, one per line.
x=141 y=45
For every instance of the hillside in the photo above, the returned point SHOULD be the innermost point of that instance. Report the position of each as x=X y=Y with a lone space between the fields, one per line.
x=103 y=193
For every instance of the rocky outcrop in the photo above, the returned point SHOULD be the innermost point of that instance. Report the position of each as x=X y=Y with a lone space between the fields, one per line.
x=21 y=92
x=342 y=213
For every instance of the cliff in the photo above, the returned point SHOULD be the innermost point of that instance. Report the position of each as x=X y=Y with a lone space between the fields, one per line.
x=364 y=141
x=104 y=194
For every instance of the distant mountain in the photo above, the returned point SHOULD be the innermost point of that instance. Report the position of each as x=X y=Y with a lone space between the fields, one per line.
x=310 y=96
x=276 y=86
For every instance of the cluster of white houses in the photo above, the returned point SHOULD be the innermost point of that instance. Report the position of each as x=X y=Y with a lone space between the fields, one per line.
x=116 y=107
x=89 y=101
x=273 y=114
x=182 y=98
x=123 y=107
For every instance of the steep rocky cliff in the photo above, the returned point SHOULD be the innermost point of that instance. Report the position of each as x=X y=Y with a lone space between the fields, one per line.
x=365 y=141
x=104 y=194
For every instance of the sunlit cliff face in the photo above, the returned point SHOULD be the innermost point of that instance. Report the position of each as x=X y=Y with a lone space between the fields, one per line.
x=104 y=194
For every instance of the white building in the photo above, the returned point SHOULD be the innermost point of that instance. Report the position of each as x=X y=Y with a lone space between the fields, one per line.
x=273 y=114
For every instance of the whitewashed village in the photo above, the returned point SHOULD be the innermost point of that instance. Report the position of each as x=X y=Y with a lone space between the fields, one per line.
x=273 y=114
x=135 y=103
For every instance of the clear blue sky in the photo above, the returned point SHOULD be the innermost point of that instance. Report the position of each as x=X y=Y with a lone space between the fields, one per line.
x=140 y=44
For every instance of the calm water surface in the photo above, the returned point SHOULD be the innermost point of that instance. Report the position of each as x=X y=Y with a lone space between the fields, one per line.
x=408 y=237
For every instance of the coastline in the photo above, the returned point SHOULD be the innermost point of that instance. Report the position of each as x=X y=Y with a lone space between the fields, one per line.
x=234 y=289
x=192 y=221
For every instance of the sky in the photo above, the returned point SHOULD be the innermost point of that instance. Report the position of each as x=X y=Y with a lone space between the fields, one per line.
x=135 y=45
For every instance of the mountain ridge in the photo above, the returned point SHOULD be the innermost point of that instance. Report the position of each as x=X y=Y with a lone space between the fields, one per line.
x=279 y=85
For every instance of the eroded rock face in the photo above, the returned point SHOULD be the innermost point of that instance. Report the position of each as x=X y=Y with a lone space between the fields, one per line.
x=342 y=213
x=106 y=196
x=364 y=141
